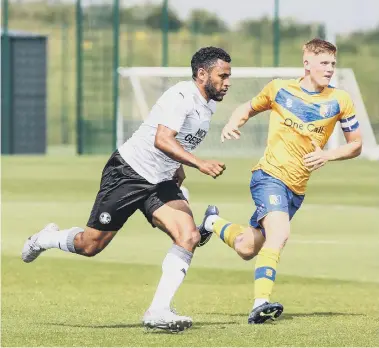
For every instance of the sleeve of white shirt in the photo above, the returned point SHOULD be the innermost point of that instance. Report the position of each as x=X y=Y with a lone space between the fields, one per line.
x=174 y=110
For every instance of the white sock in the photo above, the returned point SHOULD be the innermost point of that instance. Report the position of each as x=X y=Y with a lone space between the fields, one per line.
x=63 y=239
x=210 y=221
x=174 y=269
x=260 y=301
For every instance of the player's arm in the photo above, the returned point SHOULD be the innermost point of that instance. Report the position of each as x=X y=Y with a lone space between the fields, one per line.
x=239 y=117
x=350 y=127
x=166 y=142
x=245 y=111
x=352 y=148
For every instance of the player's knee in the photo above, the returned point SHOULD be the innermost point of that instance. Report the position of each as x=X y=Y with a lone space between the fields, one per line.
x=246 y=256
x=244 y=249
x=246 y=253
x=277 y=240
x=282 y=238
x=92 y=249
x=189 y=237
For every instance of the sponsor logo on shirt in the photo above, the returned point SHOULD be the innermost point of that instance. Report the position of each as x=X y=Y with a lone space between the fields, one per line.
x=194 y=140
x=310 y=127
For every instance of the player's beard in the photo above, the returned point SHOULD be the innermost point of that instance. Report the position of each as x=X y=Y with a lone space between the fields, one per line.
x=212 y=92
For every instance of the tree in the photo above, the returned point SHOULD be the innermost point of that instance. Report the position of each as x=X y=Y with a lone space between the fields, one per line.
x=263 y=26
x=202 y=21
x=256 y=28
x=155 y=19
x=292 y=29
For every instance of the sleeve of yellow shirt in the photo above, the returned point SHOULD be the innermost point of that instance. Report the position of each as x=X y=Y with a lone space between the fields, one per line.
x=264 y=99
x=349 y=122
x=348 y=108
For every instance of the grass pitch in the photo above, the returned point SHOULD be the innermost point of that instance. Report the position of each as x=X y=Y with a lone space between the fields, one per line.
x=328 y=278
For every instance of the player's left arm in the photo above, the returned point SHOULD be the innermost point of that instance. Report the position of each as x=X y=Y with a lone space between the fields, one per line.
x=352 y=148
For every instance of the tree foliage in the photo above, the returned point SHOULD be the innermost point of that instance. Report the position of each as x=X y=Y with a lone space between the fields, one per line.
x=205 y=22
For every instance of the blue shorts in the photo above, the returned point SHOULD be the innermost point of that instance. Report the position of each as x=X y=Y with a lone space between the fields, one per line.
x=271 y=194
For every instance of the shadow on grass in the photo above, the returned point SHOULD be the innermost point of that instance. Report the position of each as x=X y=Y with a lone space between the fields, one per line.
x=199 y=325
x=195 y=326
x=290 y=316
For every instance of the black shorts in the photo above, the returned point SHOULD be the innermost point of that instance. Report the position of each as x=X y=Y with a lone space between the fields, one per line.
x=123 y=191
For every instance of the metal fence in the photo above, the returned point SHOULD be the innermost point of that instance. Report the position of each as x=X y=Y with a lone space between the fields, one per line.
x=87 y=41
x=97 y=80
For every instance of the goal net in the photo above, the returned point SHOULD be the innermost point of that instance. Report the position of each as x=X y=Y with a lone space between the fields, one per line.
x=140 y=87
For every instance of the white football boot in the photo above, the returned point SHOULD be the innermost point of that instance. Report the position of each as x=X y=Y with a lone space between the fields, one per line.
x=166 y=319
x=32 y=248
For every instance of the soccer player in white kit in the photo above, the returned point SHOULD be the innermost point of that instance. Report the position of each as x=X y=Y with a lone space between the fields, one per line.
x=146 y=173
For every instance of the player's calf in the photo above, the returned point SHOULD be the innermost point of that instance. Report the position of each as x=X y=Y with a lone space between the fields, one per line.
x=91 y=242
x=88 y=242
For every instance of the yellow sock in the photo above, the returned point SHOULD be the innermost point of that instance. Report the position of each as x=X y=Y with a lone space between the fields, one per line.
x=227 y=231
x=265 y=272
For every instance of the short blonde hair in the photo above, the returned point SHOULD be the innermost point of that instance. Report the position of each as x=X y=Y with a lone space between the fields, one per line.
x=318 y=46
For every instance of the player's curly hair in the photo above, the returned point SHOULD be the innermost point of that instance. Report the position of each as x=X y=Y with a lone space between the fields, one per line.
x=206 y=58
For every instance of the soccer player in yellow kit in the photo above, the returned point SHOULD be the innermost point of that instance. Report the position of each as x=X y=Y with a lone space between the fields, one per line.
x=304 y=113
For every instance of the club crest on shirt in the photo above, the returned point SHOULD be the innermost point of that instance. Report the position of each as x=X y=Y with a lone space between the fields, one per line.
x=325 y=110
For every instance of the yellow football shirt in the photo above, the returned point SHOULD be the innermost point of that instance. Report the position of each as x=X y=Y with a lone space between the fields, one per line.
x=298 y=116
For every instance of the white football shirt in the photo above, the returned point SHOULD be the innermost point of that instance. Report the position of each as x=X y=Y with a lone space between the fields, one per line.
x=181 y=108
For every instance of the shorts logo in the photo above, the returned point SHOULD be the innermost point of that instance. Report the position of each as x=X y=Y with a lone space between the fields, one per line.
x=275 y=199
x=105 y=218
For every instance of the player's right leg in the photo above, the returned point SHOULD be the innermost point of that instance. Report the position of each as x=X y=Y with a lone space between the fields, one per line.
x=118 y=198
x=276 y=226
x=276 y=205
x=167 y=209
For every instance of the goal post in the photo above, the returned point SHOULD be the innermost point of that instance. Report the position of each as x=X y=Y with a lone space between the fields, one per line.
x=140 y=87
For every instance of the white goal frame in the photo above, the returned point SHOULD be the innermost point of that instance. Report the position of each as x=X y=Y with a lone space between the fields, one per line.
x=342 y=76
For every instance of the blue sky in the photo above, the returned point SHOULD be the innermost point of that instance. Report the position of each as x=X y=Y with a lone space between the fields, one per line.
x=341 y=16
